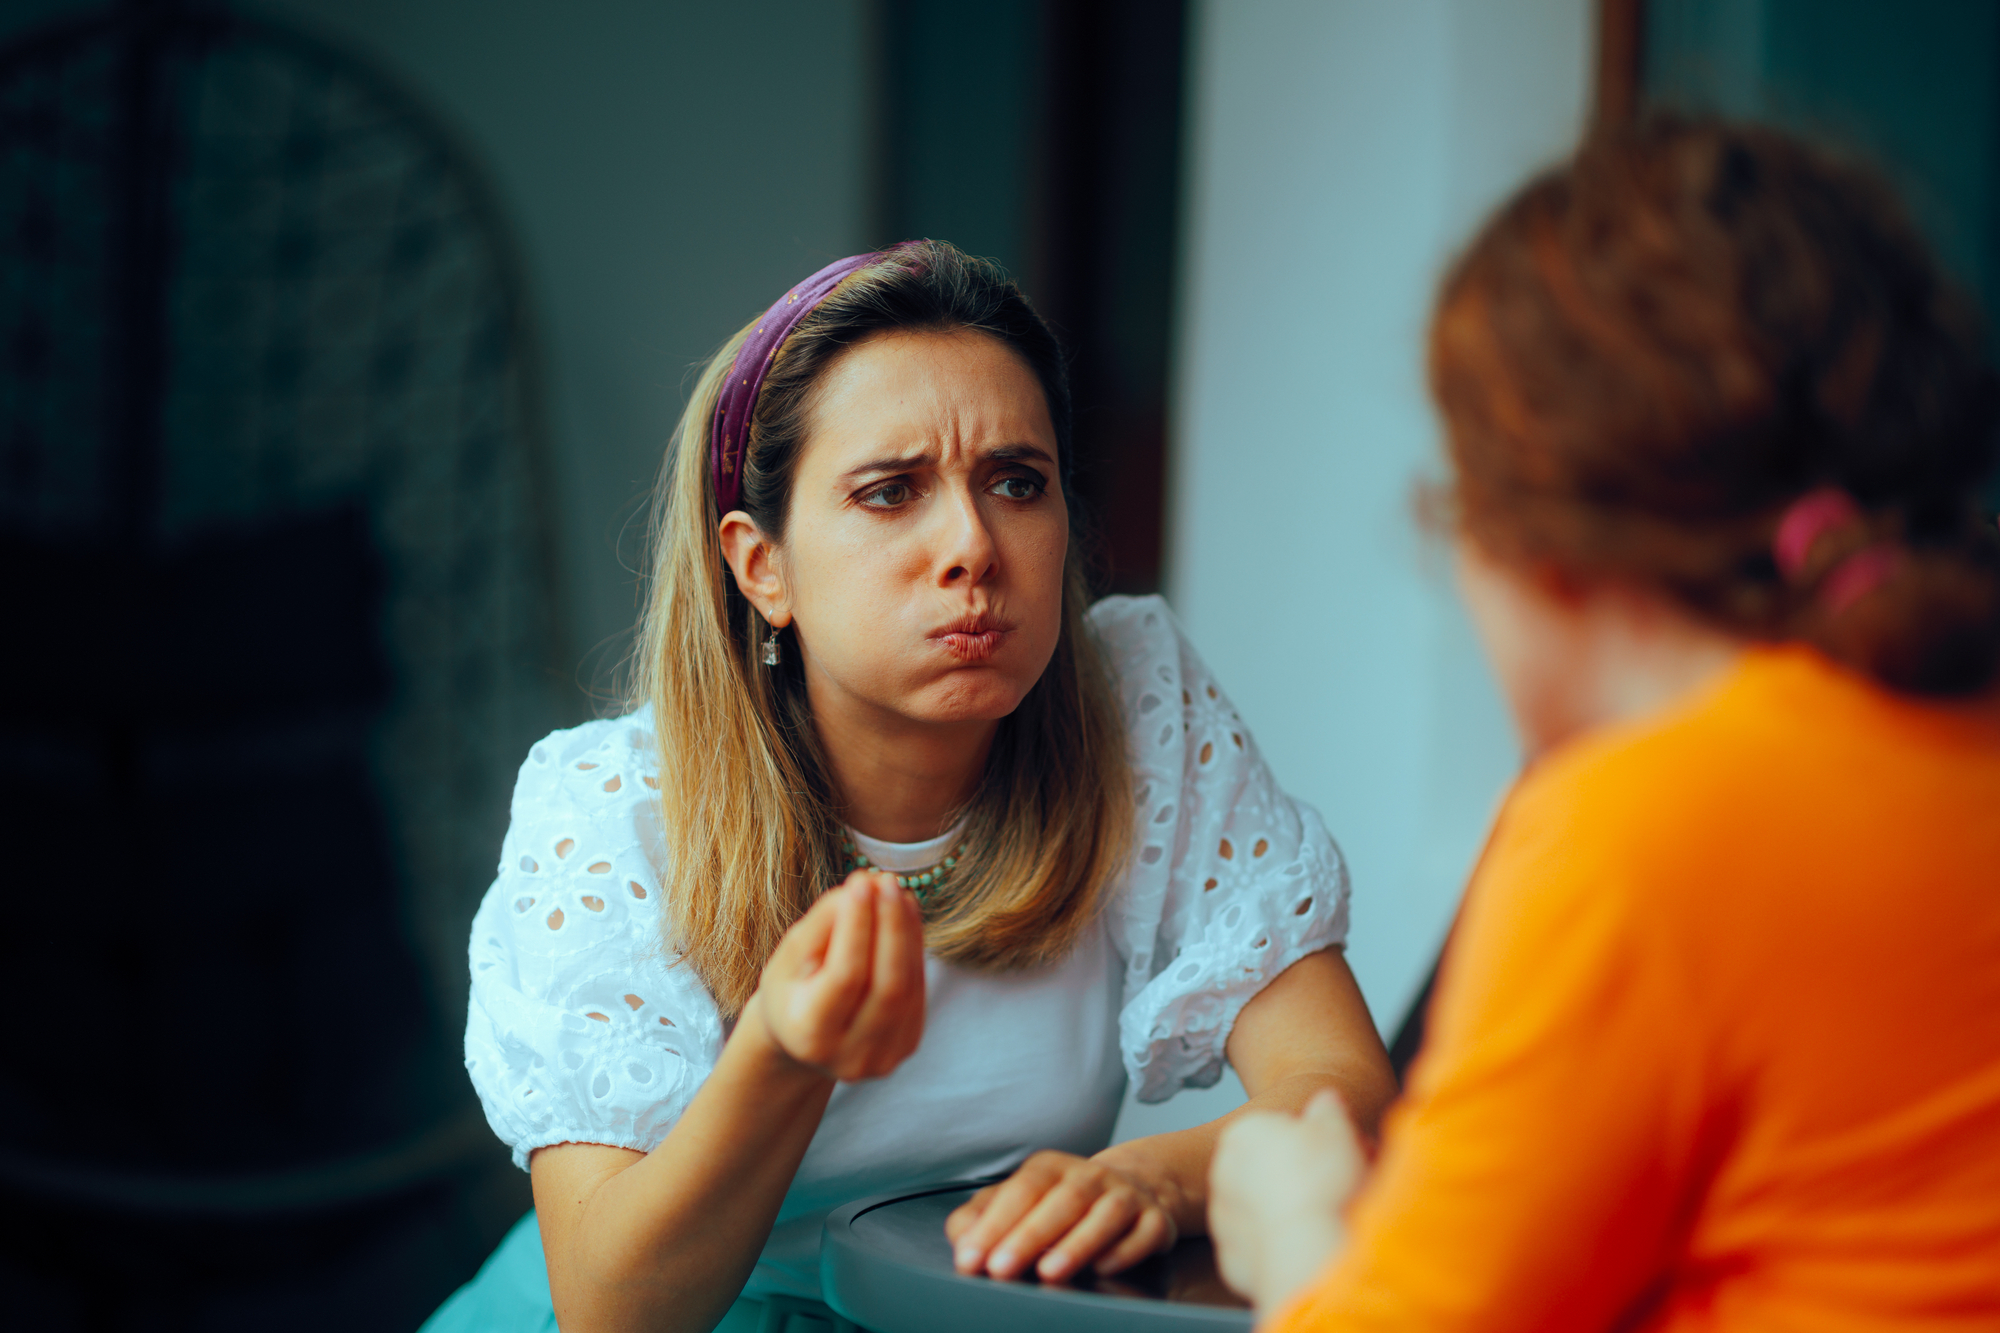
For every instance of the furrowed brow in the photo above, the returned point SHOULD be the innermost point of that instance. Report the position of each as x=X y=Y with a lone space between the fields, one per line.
x=873 y=466
x=1020 y=453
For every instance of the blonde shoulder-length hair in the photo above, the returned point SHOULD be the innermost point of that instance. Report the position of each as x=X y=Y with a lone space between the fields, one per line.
x=750 y=819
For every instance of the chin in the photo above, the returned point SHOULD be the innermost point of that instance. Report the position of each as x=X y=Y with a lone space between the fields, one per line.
x=969 y=696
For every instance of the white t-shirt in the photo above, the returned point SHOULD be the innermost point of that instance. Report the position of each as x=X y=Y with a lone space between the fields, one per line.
x=581 y=1028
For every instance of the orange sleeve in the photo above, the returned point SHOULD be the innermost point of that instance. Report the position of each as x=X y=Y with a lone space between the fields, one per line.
x=1532 y=1178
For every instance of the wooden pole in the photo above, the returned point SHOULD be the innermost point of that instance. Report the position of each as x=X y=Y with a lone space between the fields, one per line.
x=1621 y=32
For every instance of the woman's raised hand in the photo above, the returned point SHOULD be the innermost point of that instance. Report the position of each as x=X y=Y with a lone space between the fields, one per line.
x=1056 y=1214
x=843 y=993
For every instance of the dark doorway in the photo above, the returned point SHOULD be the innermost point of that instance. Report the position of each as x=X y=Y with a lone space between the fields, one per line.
x=1046 y=134
x=281 y=624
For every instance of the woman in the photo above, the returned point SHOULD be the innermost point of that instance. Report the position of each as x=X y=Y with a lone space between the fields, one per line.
x=1717 y=1044
x=867 y=651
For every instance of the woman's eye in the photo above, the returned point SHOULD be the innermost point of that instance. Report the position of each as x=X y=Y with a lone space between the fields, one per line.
x=1017 y=488
x=888 y=496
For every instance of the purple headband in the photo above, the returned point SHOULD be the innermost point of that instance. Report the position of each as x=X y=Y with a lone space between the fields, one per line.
x=730 y=429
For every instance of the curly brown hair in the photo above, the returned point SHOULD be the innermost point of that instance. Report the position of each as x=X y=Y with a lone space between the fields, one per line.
x=1652 y=351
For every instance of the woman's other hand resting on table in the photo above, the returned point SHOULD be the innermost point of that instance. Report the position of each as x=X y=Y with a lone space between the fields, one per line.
x=1058 y=1212
x=1278 y=1186
x=1305 y=1036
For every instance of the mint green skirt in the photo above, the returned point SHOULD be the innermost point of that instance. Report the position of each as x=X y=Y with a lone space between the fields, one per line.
x=510 y=1294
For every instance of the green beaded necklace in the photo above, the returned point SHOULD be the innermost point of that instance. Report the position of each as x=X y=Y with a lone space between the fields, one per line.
x=920 y=882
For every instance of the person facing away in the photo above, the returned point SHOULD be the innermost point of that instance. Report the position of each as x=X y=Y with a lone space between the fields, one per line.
x=1058 y=860
x=1716 y=1042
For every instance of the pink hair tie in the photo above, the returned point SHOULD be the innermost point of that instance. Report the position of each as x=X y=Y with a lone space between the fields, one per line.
x=1857 y=576
x=1810 y=518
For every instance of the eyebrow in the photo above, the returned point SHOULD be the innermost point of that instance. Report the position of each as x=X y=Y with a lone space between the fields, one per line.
x=901 y=464
x=1006 y=453
x=1014 y=453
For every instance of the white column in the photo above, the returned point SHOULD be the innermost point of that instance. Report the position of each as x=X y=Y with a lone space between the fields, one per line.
x=1340 y=151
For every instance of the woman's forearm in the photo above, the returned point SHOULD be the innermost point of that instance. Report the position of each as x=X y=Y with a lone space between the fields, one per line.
x=1308 y=1030
x=1177 y=1163
x=665 y=1240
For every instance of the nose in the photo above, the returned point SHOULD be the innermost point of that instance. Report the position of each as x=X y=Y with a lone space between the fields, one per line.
x=967 y=555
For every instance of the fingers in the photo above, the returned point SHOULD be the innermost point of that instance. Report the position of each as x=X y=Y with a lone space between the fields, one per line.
x=844 y=992
x=1234 y=1261
x=1276 y=1187
x=1051 y=1218
x=1232 y=1221
x=842 y=982
x=1331 y=1131
x=902 y=958
x=1006 y=1204
x=803 y=949
x=967 y=1213
x=1120 y=1229
x=1152 y=1232
x=1076 y=1242
x=891 y=1019
x=809 y=1009
x=1248 y=1151
x=1056 y=1215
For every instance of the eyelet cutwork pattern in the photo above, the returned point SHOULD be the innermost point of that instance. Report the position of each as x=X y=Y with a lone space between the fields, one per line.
x=1231 y=882
x=579 y=1029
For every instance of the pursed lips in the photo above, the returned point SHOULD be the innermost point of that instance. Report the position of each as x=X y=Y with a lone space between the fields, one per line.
x=975 y=638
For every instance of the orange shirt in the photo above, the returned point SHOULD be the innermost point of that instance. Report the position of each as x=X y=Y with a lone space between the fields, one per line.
x=1717 y=1045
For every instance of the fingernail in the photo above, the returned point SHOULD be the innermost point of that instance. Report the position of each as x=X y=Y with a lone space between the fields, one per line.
x=1053 y=1267
x=1002 y=1264
x=968 y=1257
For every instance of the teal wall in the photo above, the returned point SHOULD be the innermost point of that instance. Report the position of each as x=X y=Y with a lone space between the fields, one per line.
x=1338 y=152
x=961 y=115
x=1911 y=86
x=670 y=167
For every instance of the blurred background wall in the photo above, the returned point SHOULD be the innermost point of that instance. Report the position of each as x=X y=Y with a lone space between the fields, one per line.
x=1337 y=154
x=1908 y=85
x=658 y=162
x=370 y=319
x=338 y=344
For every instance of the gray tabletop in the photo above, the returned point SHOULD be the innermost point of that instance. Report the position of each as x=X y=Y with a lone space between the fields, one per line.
x=886 y=1265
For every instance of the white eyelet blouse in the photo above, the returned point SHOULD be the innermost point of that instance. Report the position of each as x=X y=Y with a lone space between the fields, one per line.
x=581 y=1029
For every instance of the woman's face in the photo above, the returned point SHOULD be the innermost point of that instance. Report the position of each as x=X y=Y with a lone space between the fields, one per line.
x=1530 y=643
x=923 y=557
x=1570 y=656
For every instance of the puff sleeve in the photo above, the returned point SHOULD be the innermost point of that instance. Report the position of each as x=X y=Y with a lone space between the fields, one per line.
x=1233 y=881
x=580 y=1029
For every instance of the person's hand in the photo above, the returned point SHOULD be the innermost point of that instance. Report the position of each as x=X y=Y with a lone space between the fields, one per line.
x=1056 y=1214
x=843 y=993
x=1277 y=1186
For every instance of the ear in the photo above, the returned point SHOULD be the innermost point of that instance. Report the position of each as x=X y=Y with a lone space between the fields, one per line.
x=1558 y=585
x=753 y=560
